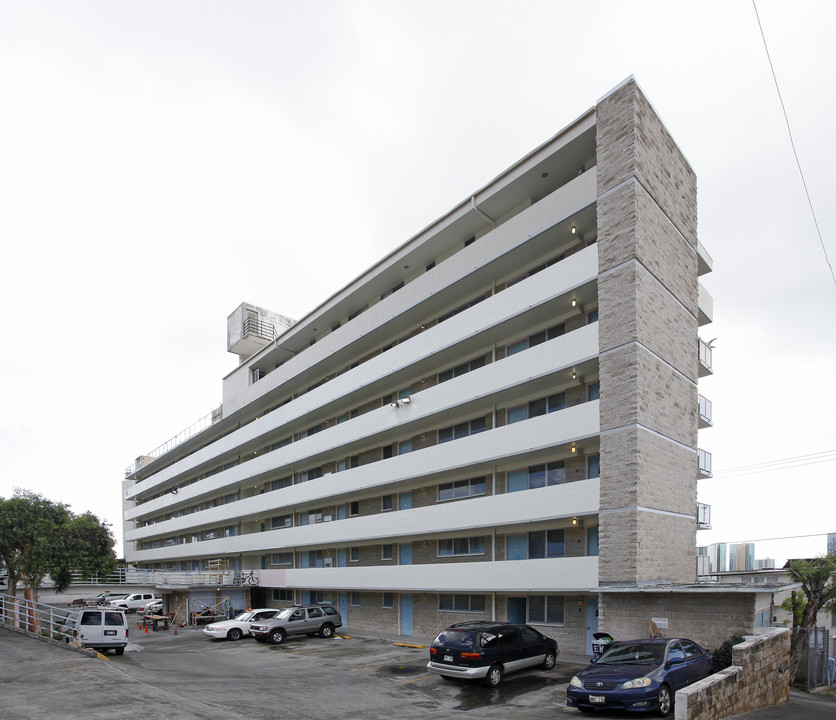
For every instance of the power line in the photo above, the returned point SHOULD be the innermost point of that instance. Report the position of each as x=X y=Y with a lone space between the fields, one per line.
x=787 y=537
x=792 y=143
x=781 y=464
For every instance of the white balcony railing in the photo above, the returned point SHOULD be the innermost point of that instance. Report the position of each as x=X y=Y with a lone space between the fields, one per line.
x=704 y=463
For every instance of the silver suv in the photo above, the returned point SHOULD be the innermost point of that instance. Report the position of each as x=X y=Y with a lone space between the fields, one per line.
x=298 y=620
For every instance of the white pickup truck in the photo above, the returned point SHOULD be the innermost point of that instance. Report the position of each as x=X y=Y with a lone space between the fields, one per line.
x=134 y=601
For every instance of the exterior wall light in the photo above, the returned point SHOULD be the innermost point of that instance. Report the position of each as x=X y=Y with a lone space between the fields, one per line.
x=406 y=400
x=574 y=230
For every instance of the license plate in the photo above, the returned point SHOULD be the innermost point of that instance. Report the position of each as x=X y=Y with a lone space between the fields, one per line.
x=597 y=699
x=448 y=658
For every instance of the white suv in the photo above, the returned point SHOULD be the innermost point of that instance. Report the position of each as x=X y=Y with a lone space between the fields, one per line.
x=135 y=601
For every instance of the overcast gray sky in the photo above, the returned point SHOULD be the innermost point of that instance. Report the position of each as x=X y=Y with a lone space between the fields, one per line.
x=163 y=161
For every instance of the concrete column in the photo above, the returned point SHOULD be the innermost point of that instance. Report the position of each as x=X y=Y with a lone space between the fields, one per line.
x=647 y=291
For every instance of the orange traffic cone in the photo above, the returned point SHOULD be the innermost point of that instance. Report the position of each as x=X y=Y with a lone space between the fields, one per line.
x=175 y=629
x=146 y=629
x=139 y=626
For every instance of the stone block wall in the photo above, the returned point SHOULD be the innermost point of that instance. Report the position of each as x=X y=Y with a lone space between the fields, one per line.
x=708 y=618
x=757 y=677
x=648 y=306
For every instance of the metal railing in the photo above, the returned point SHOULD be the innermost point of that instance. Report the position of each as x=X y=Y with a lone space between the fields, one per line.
x=36 y=618
x=703 y=516
x=259 y=328
x=705 y=353
x=705 y=409
x=704 y=463
x=197 y=427
x=160 y=578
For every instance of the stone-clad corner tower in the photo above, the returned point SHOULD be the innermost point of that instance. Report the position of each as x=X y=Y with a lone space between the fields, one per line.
x=648 y=322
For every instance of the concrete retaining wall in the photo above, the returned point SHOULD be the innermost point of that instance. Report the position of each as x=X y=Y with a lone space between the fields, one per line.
x=757 y=677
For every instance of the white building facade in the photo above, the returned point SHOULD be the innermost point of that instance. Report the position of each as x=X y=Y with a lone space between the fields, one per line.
x=493 y=421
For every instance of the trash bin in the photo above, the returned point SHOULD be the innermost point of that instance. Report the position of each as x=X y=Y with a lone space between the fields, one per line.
x=599 y=643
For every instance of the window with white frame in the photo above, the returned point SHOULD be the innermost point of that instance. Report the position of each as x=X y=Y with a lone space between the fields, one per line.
x=461 y=603
x=283 y=594
x=461 y=488
x=354 y=554
x=386 y=502
x=462 y=430
x=546 y=544
x=546 y=609
x=355 y=599
x=388 y=600
x=387 y=552
x=467 y=367
x=462 y=546
x=281 y=521
x=281 y=558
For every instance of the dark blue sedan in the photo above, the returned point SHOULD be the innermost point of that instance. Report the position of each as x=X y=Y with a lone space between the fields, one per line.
x=640 y=675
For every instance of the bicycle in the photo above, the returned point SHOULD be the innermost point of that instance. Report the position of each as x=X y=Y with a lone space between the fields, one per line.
x=245 y=578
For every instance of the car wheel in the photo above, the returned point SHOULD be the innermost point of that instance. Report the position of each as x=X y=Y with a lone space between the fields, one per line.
x=326 y=630
x=549 y=660
x=119 y=651
x=665 y=701
x=277 y=636
x=234 y=634
x=494 y=676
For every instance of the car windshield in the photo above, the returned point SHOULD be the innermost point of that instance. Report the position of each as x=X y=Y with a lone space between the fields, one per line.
x=286 y=613
x=243 y=616
x=633 y=654
x=456 y=638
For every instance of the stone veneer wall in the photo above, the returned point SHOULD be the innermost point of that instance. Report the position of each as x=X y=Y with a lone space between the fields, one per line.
x=708 y=618
x=757 y=677
x=648 y=308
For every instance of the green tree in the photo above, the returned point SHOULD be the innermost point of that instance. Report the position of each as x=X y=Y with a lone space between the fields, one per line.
x=39 y=537
x=795 y=605
x=818 y=582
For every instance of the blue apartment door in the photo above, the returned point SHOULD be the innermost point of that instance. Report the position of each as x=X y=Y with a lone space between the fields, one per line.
x=341 y=557
x=516 y=548
x=591 y=622
x=517 y=480
x=517 y=610
x=405 y=501
x=406 y=554
x=406 y=614
x=344 y=607
x=340 y=512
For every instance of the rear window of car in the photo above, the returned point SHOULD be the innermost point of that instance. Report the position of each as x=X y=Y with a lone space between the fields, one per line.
x=456 y=638
x=328 y=610
x=91 y=617
x=633 y=654
x=114 y=618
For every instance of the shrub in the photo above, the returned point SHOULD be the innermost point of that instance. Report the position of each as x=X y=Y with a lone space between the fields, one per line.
x=723 y=654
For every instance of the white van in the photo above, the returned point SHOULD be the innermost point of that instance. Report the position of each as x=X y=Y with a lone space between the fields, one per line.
x=135 y=601
x=101 y=629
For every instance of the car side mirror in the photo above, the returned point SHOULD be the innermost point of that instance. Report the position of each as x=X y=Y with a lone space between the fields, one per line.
x=593 y=660
x=675 y=661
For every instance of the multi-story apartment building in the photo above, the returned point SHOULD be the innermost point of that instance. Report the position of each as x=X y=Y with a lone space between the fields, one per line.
x=498 y=419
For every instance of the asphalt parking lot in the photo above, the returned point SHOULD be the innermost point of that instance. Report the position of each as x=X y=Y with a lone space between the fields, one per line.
x=162 y=675
x=191 y=677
